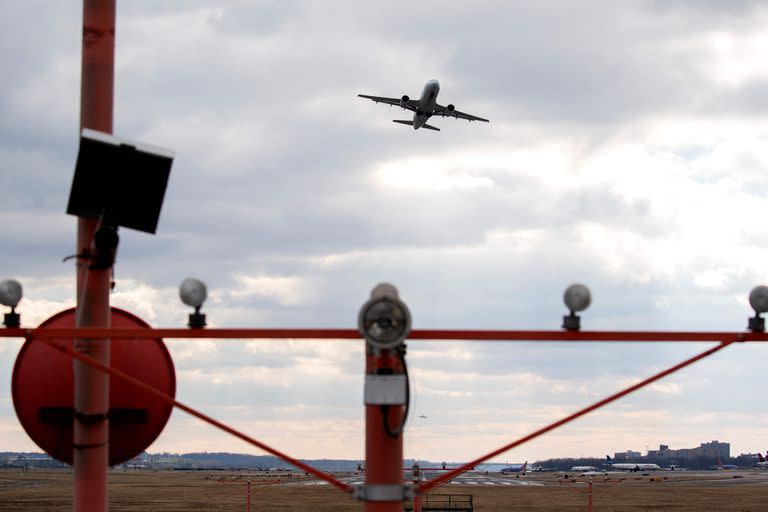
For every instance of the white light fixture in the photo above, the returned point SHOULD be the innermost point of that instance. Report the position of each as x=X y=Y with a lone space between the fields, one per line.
x=758 y=299
x=577 y=297
x=10 y=295
x=193 y=292
x=384 y=321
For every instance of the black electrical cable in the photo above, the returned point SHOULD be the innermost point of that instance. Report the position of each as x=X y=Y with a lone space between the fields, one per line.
x=385 y=408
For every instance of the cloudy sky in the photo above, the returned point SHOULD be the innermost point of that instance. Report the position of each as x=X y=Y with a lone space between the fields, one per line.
x=627 y=149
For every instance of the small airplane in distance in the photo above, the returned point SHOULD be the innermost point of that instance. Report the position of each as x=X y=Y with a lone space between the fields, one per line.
x=761 y=462
x=583 y=468
x=631 y=466
x=514 y=468
x=424 y=107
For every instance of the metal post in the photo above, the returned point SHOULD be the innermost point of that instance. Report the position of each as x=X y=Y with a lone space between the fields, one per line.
x=416 y=479
x=91 y=427
x=383 y=453
x=248 y=497
x=589 y=496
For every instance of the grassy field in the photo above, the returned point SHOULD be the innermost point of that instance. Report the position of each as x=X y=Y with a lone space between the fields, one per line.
x=51 y=491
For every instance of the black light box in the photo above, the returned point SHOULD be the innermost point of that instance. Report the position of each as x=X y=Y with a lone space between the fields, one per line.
x=122 y=182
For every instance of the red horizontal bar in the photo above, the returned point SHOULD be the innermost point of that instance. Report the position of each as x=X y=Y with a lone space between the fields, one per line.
x=348 y=334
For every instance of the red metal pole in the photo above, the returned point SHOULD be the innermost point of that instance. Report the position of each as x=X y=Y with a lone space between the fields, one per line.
x=91 y=427
x=416 y=480
x=383 y=452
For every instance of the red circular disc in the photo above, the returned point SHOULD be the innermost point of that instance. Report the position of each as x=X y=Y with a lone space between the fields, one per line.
x=43 y=391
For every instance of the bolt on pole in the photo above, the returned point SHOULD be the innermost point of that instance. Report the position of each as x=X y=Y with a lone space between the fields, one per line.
x=91 y=426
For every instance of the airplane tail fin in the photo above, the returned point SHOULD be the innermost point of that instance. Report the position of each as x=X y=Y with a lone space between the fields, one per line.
x=526 y=462
x=760 y=457
x=609 y=459
x=719 y=464
x=410 y=123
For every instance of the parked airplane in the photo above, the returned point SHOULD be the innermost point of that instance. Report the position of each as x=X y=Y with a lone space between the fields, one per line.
x=424 y=107
x=514 y=468
x=761 y=462
x=583 y=468
x=723 y=467
x=631 y=466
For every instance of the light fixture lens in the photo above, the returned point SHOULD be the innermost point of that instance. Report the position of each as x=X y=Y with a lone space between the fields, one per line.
x=10 y=293
x=758 y=299
x=577 y=297
x=384 y=320
x=193 y=292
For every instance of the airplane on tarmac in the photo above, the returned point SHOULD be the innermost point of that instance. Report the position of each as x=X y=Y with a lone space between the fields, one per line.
x=424 y=107
x=583 y=468
x=723 y=467
x=631 y=466
x=514 y=468
x=761 y=462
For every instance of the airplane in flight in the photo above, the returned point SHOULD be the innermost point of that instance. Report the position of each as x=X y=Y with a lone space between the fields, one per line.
x=424 y=107
x=631 y=466
x=514 y=468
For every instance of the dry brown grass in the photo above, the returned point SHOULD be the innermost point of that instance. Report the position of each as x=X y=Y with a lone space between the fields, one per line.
x=51 y=491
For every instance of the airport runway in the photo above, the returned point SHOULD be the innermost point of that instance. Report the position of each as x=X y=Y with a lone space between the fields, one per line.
x=697 y=478
x=460 y=480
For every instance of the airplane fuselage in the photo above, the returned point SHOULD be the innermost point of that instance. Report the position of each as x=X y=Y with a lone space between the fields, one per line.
x=635 y=467
x=426 y=104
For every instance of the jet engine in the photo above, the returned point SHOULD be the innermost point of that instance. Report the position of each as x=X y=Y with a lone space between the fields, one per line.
x=404 y=100
x=450 y=108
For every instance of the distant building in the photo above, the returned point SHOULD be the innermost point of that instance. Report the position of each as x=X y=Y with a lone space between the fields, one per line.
x=627 y=455
x=709 y=450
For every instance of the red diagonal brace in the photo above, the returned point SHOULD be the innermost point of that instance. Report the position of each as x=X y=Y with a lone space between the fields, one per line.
x=440 y=480
x=197 y=414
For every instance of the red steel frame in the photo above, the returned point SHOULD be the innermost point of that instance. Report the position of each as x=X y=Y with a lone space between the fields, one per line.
x=380 y=453
x=92 y=333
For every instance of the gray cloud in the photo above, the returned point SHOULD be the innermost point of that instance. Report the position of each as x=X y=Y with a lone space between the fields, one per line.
x=285 y=177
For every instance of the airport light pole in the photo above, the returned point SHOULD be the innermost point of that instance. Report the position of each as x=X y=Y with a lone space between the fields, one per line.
x=384 y=322
x=91 y=424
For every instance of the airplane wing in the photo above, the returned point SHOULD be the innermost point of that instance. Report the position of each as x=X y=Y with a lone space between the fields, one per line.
x=443 y=111
x=411 y=105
